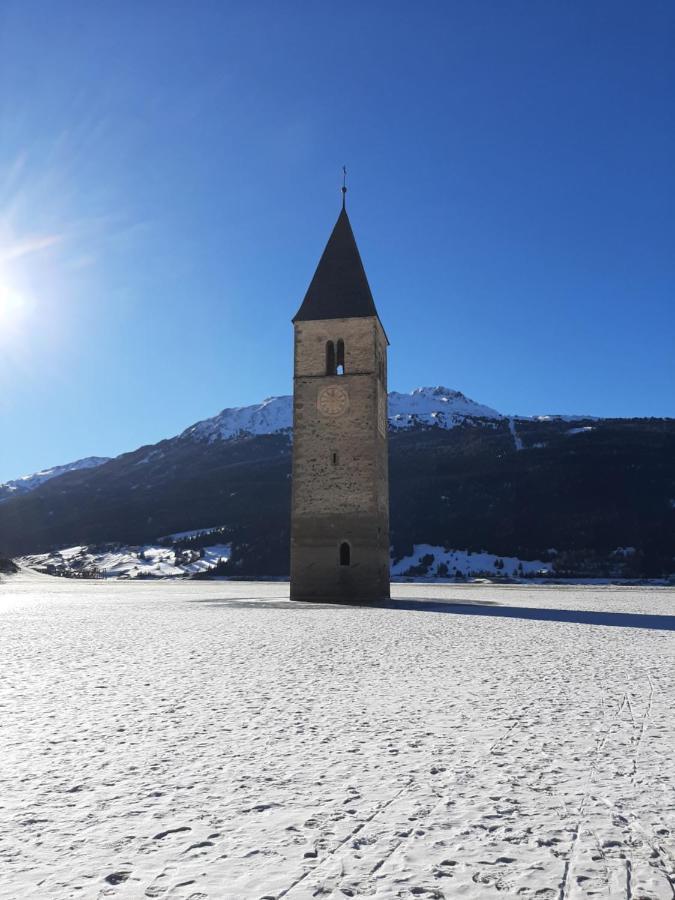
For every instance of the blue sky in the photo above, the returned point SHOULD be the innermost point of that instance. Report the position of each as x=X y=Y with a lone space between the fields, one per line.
x=170 y=172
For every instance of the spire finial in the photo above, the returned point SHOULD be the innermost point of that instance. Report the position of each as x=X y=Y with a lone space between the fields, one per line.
x=344 y=185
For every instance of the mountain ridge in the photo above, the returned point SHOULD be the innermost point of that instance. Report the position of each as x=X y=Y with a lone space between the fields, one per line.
x=26 y=483
x=437 y=405
x=462 y=475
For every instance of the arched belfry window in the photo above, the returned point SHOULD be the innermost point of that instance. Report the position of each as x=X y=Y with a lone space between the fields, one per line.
x=340 y=357
x=345 y=554
x=330 y=358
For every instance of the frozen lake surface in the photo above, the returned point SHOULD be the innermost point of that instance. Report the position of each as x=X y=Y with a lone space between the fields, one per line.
x=213 y=740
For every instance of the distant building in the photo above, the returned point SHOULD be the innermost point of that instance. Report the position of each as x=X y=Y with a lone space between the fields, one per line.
x=340 y=501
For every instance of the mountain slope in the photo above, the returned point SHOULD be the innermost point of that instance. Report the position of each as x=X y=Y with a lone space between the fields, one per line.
x=28 y=483
x=430 y=406
x=462 y=477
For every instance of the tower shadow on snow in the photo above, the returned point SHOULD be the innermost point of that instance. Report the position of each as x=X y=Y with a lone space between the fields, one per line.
x=475 y=608
x=536 y=614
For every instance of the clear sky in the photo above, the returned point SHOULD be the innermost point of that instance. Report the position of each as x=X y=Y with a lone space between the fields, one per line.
x=170 y=172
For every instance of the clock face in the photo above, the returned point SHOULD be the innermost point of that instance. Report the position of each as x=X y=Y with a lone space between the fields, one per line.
x=332 y=401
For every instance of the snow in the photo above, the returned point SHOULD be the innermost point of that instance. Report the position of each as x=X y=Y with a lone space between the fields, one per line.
x=559 y=418
x=435 y=406
x=71 y=552
x=155 y=562
x=213 y=740
x=29 y=482
x=466 y=563
x=171 y=562
x=275 y=414
x=212 y=556
x=426 y=405
x=149 y=457
x=130 y=562
x=516 y=440
x=580 y=430
x=195 y=532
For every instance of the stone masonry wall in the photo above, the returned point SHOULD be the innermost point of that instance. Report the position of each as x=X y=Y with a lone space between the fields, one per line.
x=347 y=499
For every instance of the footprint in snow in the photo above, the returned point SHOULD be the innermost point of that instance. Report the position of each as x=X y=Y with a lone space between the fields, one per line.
x=198 y=846
x=163 y=834
x=117 y=877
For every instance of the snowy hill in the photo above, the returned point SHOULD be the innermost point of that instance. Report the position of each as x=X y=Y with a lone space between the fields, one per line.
x=147 y=561
x=193 y=553
x=29 y=482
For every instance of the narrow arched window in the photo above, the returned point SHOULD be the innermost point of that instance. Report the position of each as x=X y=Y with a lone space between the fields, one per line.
x=340 y=357
x=330 y=358
x=345 y=554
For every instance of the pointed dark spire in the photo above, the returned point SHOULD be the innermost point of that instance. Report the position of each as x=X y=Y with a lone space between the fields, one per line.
x=339 y=289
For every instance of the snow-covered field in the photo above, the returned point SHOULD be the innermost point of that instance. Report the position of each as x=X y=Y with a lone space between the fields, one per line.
x=212 y=740
x=146 y=561
x=167 y=561
x=431 y=561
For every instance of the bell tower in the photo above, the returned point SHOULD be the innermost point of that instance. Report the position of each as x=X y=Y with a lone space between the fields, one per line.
x=340 y=491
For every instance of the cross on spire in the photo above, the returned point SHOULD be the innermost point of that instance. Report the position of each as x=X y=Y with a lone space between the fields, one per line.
x=344 y=185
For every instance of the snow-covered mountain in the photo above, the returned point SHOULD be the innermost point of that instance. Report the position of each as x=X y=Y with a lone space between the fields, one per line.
x=461 y=476
x=435 y=406
x=423 y=406
x=430 y=406
x=29 y=482
x=275 y=414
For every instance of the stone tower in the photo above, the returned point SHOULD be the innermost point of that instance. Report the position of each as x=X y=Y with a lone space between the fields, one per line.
x=340 y=495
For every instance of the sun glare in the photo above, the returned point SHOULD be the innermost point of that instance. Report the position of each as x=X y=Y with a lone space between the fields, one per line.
x=13 y=307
